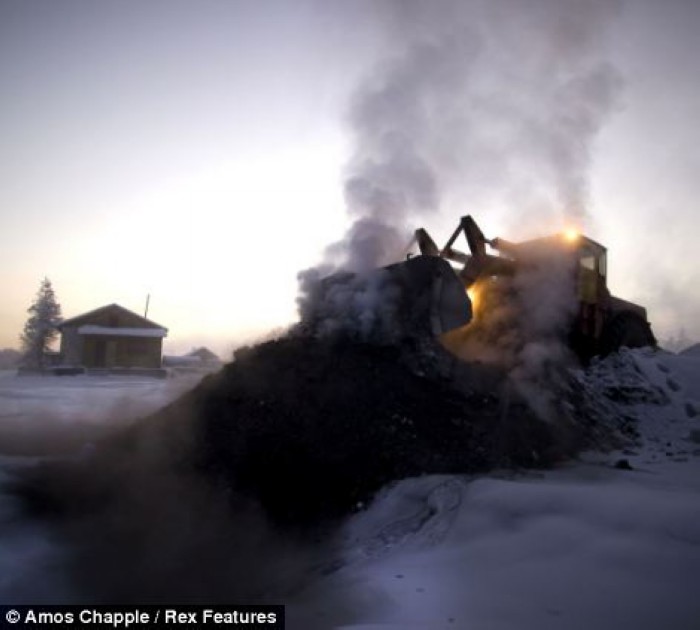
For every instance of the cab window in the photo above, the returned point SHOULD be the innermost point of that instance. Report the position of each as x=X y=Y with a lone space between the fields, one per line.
x=603 y=265
x=587 y=277
x=588 y=262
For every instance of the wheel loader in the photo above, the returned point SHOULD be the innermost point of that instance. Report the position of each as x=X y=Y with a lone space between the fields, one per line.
x=432 y=294
x=598 y=323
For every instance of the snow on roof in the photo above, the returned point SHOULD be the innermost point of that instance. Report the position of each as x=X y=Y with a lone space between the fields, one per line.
x=91 y=329
x=77 y=318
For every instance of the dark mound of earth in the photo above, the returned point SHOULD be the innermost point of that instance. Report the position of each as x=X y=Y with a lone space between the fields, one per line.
x=310 y=429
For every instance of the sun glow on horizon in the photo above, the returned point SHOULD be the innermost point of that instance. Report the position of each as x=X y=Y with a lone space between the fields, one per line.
x=219 y=251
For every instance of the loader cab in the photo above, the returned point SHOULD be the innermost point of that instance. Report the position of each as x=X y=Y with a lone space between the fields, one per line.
x=593 y=297
x=587 y=261
x=586 y=257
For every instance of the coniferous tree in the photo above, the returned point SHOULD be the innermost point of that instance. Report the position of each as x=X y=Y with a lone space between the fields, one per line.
x=40 y=329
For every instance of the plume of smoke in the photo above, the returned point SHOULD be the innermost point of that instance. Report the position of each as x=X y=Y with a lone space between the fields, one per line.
x=359 y=305
x=488 y=104
x=546 y=307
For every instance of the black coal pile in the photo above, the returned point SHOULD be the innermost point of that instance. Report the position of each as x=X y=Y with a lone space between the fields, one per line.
x=235 y=491
x=312 y=429
x=309 y=429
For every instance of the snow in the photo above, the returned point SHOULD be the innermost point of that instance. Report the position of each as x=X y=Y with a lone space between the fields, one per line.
x=48 y=415
x=42 y=415
x=92 y=329
x=587 y=545
x=590 y=549
x=693 y=350
x=81 y=397
x=584 y=546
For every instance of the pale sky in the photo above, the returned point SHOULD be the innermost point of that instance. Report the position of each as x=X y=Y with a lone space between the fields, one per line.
x=194 y=150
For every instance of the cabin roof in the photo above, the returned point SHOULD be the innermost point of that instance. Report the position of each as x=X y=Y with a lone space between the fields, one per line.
x=82 y=318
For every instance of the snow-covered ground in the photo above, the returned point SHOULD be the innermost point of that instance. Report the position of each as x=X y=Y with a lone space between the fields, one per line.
x=44 y=416
x=47 y=415
x=586 y=546
x=83 y=397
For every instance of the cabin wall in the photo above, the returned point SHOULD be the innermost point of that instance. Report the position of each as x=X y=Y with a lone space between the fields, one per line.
x=103 y=351
x=71 y=346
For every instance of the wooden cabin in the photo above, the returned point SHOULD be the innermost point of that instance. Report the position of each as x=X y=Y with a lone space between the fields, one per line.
x=111 y=337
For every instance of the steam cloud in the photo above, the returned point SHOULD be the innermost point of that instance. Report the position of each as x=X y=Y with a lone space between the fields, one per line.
x=490 y=107
x=479 y=104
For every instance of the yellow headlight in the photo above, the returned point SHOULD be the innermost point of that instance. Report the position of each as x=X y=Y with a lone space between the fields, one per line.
x=571 y=234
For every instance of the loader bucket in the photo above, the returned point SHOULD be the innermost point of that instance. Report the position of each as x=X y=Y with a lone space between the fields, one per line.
x=420 y=297
x=433 y=299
